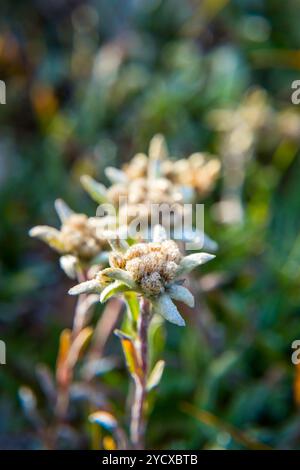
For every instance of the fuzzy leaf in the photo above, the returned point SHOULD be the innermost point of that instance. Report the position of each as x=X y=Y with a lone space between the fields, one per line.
x=119 y=275
x=210 y=244
x=115 y=175
x=182 y=294
x=190 y=262
x=112 y=289
x=49 y=235
x=96 y=190
x=87 y=287
x=63 y=210
x=156 y=375
x=166 y=308
x=68 y=264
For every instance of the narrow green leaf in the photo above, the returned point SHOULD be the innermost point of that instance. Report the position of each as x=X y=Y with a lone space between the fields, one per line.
x=114 y=288
x=133 y=305
x=155 y=375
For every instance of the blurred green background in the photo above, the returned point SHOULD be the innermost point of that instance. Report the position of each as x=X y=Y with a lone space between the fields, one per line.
x=88 y=84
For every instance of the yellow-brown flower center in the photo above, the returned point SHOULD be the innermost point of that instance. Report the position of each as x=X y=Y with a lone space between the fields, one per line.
x=80 y=238
x=151 y=265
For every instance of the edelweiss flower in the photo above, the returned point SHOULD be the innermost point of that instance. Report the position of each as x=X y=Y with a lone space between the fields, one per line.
x=157 y=176
x=151 y=269
x=77 y=240
x=138 y=186
x=200 y=172
x=155 y=180
x=241 y=125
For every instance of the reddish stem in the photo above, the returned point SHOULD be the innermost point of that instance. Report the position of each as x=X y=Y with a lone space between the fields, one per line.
x=138 y=423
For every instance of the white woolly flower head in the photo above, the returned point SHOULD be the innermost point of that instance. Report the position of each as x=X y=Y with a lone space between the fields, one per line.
x=78 y=240
x=150 y=269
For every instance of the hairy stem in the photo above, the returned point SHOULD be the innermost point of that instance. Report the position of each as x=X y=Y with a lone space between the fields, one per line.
x=138 y=423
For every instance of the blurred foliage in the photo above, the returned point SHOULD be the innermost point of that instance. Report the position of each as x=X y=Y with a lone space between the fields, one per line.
x=88 y=84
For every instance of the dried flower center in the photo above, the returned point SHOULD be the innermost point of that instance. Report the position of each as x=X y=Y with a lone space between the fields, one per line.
x=151 y=265
x=79 y=237
x=200 y=171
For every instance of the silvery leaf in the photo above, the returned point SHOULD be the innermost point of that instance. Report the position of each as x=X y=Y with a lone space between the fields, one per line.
x=86 y=287
x=63 y=210
x=115 y=175
x=210 y=244
x=68 y=264
x=119 y=275
x=96 y=190
x=182 y=294
x=49 y=235
x=112 y=289
x=166 y=308
x=190 y=262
